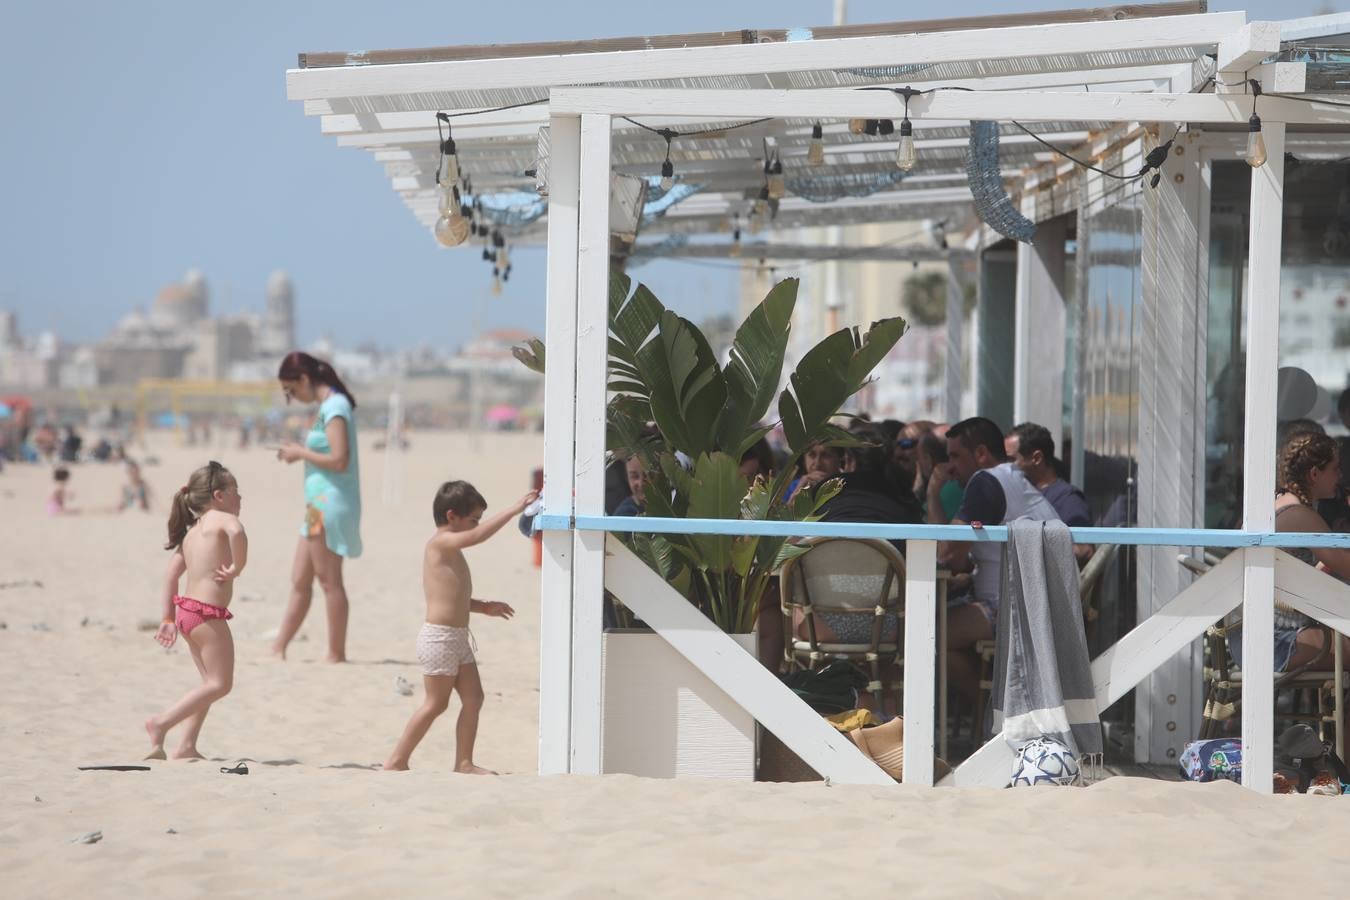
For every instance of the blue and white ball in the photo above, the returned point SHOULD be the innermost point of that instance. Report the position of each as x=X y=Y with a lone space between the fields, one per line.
x=1045 y=761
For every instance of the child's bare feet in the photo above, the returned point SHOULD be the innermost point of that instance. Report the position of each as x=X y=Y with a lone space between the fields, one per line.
x=279 y=653
x=394 y=765
x=156 y=740
x=334 y=659
x=471 y=769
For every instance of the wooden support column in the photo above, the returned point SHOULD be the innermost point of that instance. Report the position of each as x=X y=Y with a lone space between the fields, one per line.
x=588 y=547
x=555 y=589
x=920 y=654
x=1258 y=487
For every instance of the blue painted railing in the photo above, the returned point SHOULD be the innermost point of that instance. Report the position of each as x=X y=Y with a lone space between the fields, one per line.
x=1154 y=537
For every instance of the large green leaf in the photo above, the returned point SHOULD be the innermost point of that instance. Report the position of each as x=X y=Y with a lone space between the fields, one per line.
x=687 y=388
x=531 y=355
x=830 y=373
x=715 y=492
x=755 y=363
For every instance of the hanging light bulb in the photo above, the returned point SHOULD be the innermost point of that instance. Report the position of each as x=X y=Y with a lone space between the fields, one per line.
x=885 y=127
x=816 y=154
x=871 y=127
x=735 y=243
x=452 y=228
x=447 y=173
x=905 y=157
x=857 y=126
x=496 y=283
x=667 y=175
x=1256 y=144
x=775 y=184
x=503 y=261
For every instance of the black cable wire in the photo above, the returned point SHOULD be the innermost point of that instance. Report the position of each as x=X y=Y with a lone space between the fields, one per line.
x=670 y=134
x=479 y=112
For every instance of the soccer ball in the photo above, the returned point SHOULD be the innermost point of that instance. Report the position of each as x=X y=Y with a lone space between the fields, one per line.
x=1045 y=761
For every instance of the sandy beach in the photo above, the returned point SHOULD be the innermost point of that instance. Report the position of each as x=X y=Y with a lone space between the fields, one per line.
x=314 y=818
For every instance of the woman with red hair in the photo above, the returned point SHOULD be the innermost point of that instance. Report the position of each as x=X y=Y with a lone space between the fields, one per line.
x=331 y=531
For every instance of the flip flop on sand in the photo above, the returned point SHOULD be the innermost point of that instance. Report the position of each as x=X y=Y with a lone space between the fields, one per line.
x=239 y=768
x=113 y=768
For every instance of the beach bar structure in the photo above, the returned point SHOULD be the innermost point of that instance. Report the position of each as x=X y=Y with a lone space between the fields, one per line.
x=583 y=122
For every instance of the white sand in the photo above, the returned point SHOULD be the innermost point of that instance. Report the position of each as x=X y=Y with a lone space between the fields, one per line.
x=313 y=819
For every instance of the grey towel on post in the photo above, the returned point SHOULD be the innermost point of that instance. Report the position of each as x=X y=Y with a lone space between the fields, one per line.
x=1042 y=674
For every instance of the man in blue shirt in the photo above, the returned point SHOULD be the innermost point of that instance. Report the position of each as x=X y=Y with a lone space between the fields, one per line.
x=1032 y=448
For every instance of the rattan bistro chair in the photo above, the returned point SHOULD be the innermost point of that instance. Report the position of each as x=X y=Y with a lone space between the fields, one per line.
x=1309 y=691
x=852 y=577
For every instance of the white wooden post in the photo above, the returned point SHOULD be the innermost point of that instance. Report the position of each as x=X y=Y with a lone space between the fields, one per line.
x=555 y=595
x=920 y=655
x=588 y=547
x=1258 y=463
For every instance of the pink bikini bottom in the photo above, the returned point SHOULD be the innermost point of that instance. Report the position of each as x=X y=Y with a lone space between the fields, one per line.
x=192 y=613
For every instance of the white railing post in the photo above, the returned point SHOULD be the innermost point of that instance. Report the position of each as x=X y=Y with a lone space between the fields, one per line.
x=1258 y=507
x=555 y=594
x=920 y=659
x=588 y=547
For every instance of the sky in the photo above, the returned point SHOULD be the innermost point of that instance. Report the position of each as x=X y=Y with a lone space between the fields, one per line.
x=147 y=138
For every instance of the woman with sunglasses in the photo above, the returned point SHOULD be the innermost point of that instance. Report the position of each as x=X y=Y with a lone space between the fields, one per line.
x=331 y=531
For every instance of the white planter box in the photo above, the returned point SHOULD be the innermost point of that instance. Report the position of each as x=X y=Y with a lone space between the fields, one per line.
x=665 y=719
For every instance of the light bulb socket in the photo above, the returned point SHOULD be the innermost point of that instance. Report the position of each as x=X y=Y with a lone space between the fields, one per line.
x=872 y=127
x=906 y=127
x=817 y=132
x=667 y=169
x=1254 y=124
x=886 y=127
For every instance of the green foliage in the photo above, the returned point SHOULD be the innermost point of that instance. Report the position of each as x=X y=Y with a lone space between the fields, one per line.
x=662 y=370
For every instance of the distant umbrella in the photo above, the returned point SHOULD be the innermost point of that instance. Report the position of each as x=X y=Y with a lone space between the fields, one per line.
x=502 y=413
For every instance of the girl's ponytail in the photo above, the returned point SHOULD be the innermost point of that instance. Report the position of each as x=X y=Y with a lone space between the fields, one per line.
x=180 y=518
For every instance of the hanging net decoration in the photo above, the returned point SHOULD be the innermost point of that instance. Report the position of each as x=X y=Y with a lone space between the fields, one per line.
x=992 y=204
x=659 y=201
x=824 y=187
x=510 y=212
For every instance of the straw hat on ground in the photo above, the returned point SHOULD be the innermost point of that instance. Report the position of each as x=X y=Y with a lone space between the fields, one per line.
x=885 y=746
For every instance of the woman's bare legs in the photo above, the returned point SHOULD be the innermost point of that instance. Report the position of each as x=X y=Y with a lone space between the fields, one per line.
x=1308 y=648
x=438 y=689
x=192 y=725
x=302 y=592
x=213 y=641
x=328 y=569
x=470 y=689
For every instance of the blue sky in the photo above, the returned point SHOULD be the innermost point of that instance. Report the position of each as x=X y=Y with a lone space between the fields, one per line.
x=145 y=138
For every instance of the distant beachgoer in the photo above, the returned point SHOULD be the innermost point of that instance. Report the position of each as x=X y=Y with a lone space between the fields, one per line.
x=56 y=503
x=331 y=531
x=209 y=547
x=70 y=445
x=135 y=492
x=445 y=646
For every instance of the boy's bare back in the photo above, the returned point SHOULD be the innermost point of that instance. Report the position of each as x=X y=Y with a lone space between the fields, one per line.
x=447 y=583
x=206 y=549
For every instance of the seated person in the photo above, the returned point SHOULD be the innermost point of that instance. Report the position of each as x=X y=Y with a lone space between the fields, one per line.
x=996 y=492
x=756 y=461
x=1032 y=448
x=635 y=502
x=933 y=453
x=1309 y=470
x=135 y=492
x=820 y=462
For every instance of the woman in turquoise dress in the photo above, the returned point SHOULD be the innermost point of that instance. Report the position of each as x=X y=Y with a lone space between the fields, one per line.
x=331 y=530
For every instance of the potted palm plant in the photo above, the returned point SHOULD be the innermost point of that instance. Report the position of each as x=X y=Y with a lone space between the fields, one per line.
x=662 y=370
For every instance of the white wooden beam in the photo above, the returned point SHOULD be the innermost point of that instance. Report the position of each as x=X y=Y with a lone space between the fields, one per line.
x=739 y=674
x=1248 y=46
x=840 y=53
x=920 y=654
x=949 y=106
x=1275 y=78
x=555 y=593
x=592 y=304
x=1312 y=592
x=1258 y=488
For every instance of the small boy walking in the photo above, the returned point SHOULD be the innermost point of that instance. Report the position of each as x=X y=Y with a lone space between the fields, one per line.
x=444 y=645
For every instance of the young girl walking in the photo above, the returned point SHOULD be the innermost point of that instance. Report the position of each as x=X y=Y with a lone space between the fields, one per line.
x=209 y=547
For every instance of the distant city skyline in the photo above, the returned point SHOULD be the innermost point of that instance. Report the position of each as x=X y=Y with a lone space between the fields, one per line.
x=151 y=138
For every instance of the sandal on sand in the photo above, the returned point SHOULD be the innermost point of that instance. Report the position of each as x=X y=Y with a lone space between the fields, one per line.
x=239 y=768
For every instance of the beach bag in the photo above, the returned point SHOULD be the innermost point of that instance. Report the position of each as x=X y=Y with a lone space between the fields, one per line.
x=1045 y=761
x=830 y=689
x=1219 y=759
x=1306 y=765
